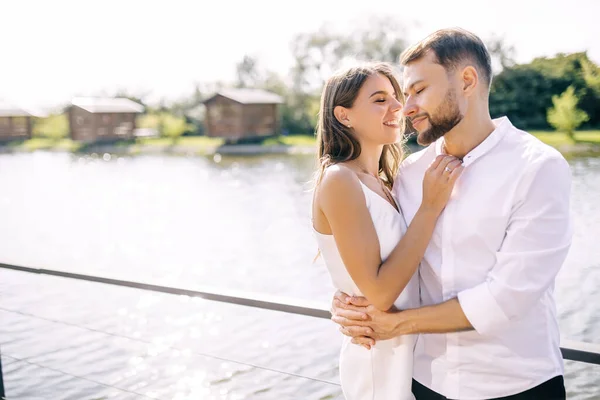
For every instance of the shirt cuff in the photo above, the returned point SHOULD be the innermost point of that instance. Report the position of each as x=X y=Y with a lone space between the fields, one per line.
x=481 y=309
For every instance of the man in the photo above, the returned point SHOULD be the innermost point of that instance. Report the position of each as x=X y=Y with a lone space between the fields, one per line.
x=487 y=324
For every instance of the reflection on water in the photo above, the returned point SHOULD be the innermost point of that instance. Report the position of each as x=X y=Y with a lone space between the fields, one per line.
x=233 y=222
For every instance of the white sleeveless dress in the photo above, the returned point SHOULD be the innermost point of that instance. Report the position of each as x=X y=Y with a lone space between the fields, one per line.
x=385 y=371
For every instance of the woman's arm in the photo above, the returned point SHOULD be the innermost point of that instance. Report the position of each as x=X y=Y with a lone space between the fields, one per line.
x=342 y=202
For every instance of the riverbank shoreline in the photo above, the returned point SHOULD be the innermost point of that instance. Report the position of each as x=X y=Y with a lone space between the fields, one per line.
x=245 y=149
x=193 y=148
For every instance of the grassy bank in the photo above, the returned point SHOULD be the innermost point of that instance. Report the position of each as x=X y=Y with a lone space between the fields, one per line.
x=587 y=139
x=193 y=143
x=44 y=144
x=294 y=140
x=558 y=139
x=206 y=142
x=585 y=142
x=185 y=141
x=552 y=138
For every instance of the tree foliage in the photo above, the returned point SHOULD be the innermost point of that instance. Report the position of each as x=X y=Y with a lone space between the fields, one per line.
x=167 y=124
x=55 y=126
x=524 y=92
x=564 y=116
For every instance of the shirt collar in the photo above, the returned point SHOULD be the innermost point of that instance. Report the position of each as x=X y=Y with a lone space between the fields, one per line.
x=502 y=126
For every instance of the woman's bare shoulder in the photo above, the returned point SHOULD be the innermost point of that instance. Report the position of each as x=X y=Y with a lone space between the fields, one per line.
x=339 y=184
x=339 y=174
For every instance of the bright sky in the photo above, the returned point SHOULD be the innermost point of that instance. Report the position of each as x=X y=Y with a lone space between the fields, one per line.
x=55 y=49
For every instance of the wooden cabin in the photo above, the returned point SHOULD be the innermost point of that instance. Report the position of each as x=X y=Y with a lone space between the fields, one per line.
x=236 y=114
x=15 y=123
x=93 y=119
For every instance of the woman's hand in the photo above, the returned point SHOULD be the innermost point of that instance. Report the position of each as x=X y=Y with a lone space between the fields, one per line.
x=439 y=181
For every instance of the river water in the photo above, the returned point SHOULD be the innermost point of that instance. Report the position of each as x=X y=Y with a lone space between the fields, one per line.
x=221 y=222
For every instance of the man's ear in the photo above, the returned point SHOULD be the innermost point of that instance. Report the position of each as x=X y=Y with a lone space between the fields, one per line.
x=341 y=114
x=470 y=80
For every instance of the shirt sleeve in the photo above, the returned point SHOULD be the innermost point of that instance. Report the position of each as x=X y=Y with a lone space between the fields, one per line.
x=536 y=242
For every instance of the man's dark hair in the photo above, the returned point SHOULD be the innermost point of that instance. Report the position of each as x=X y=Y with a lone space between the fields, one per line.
x=453 y=47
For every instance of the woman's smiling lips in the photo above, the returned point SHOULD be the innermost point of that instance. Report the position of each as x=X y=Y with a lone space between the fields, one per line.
x=393 y=123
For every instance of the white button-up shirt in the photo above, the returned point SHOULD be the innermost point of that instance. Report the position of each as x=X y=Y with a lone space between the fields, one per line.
x=497 y=246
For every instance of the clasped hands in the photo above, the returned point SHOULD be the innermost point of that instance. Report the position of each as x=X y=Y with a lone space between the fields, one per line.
x=363 y=322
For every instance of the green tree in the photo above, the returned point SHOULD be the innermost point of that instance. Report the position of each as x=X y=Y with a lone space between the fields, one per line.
x=503 y=55
x=591 y=76
x=318 y=54
x=382 y=39
x=173 y=127
x=150 y=120
x=565 y=116
x=55 y=126
x=167 y=124
x=524 y=92
x=247 y=72
x=295 y=114
x=189 y=107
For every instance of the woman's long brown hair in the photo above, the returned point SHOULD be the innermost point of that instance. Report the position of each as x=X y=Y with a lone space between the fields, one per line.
x=337 y=143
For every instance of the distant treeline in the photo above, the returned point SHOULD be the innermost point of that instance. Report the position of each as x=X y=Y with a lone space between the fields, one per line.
x=523 y=92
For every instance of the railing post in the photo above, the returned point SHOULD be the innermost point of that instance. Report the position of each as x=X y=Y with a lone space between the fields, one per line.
x=2 y=394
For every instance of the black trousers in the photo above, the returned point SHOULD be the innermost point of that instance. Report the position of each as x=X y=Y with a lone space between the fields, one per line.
x=554 y=389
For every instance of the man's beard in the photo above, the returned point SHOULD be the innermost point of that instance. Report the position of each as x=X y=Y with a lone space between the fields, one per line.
x=446 y=117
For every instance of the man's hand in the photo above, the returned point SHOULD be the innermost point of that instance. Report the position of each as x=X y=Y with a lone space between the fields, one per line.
x=351 y=314
x=362 y=321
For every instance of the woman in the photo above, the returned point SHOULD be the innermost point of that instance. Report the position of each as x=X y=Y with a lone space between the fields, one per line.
x=360 y=230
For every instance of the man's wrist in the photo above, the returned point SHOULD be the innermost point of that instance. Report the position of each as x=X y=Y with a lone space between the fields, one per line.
x=405 y=322
x=440 y=318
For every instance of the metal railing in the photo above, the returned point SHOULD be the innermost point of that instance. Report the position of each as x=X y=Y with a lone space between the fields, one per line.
x=571 y=350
